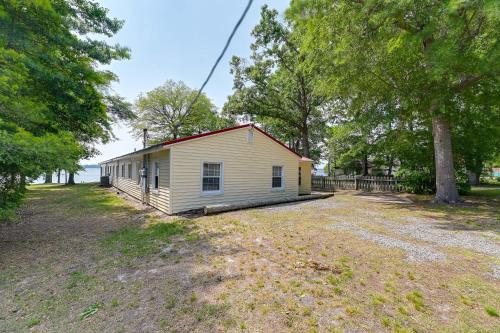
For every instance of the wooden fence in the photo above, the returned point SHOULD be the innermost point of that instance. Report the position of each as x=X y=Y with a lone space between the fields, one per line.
x=366 y=183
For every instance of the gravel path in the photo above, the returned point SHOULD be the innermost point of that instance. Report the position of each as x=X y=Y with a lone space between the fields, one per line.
x=414 y=252
x=428 y=231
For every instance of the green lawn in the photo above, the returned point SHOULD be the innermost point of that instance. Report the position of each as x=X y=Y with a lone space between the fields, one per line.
x=82 y=259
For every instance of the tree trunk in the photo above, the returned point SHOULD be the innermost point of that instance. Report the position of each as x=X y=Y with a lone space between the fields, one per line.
x=48 y=178
x=305 y=142
x=71 y=179
x=478 y=178
x=365 y=165
x=446 y=187
x=59 y=176
x=478 y=170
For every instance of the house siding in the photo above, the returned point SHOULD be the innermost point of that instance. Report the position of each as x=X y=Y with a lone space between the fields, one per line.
x=305 y=184
x=160 y=198
x=247 y=169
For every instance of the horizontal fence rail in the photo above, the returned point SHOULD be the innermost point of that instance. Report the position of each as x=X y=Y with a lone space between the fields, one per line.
x=366 y=183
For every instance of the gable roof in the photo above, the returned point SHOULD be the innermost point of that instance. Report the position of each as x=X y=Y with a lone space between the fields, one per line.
x=187 y=138
x=197 y=136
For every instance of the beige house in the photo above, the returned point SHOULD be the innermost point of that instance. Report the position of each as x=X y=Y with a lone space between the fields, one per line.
x=233 y=166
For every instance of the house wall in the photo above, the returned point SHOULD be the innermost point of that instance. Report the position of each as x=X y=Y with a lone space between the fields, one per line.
x=247 y=169
x=305 y=184
x=159 y=198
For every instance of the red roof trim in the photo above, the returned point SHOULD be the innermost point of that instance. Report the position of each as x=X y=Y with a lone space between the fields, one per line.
x=187 y=138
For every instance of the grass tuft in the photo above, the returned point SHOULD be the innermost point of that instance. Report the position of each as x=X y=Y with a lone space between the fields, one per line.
x=33 y=322
x=491 y=311
x=416 y=298
x=90 y=311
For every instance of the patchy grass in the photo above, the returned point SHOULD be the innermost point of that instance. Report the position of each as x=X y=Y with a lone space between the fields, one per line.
x=84 y=260
x=492 y=192
x=141 y=241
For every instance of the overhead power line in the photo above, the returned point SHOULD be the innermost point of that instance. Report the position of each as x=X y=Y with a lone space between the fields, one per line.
x=242 y=17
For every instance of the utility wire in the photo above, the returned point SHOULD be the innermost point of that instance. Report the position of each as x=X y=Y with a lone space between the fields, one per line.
x=249 y=4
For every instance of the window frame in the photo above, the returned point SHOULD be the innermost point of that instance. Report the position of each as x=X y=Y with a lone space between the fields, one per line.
x=221 y=179
x=156 y=173
x=282 y=187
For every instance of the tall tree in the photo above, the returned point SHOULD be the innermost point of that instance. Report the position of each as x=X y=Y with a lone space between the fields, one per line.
x=165 y=112
x=52 y=92
x=276 y=86
x=425 y=55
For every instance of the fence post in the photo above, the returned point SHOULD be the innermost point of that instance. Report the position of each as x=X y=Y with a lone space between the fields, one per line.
x=355 y=183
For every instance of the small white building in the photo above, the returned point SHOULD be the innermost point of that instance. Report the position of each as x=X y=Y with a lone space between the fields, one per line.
x=234 y=166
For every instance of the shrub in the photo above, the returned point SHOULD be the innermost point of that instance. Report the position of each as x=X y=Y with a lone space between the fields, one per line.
x=417 y=181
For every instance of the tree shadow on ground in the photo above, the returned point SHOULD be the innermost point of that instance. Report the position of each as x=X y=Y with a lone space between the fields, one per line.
x=55 y=263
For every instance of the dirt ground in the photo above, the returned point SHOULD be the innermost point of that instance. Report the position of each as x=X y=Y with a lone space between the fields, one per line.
x=84 y=259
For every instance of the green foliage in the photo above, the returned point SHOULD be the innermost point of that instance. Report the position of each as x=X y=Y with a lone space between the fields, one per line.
x=275 y=88
x=54 y=101
x=164 y=112
x=393 y=66
x=417 y=181
x=463 y=184
x=24 y=156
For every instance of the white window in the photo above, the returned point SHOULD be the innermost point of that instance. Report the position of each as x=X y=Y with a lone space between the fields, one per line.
x=156 y=184
x=277 y=181
x=212 y=177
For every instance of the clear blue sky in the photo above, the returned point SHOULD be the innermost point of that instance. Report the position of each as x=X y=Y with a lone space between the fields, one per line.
x=179 y=40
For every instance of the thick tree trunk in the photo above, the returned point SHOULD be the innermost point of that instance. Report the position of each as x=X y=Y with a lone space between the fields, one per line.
x=59 y=176
x=446 y=187
x=71 y=178
x=48 y=178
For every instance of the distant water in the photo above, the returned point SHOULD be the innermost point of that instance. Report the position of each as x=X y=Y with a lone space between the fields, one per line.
x=89 y=175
